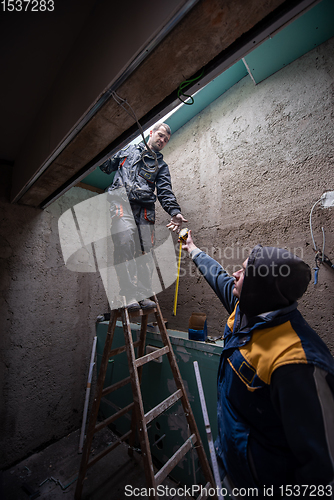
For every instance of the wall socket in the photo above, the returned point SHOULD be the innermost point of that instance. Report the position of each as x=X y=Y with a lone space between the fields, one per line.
x=327 y=199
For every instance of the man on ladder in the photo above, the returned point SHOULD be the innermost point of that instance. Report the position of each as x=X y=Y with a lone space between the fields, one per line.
x=141 y=170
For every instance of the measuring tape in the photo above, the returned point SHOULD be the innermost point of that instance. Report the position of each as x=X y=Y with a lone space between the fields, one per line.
x=183 y=235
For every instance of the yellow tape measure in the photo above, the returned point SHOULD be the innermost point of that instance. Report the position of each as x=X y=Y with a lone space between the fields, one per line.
x=183 y=235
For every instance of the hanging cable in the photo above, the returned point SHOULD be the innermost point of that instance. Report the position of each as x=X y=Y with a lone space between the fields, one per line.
x=314 y=245
x=320 y=257
x=185 y=84
x=323 y=244
x=317 y=252
x=130 y=111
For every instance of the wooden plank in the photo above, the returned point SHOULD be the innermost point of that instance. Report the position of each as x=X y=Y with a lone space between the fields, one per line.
x=110 y=448
x=203 y=497
x=114 y=387
x=163 y=406
x=152 y=355
x=140 y=353
x=121 y=349
x=114 y=417
x=175 y=459
x=185 y=402
x=138 y=402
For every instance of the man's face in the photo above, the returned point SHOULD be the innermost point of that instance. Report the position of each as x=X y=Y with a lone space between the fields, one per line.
x=158 y=139
x=239 y=279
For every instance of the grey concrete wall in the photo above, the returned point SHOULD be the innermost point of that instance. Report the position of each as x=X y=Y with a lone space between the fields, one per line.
x=247 y=170
x=47 y=323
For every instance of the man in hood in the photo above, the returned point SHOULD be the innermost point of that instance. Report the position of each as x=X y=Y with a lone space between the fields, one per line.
x=275 y=401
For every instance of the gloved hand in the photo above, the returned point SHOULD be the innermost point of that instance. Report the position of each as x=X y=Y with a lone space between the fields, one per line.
x=176 y=223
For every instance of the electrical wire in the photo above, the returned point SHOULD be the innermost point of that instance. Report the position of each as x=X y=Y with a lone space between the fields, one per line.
x=185 y=84
x=314 y=245
x=320 y=257
x=122 y=102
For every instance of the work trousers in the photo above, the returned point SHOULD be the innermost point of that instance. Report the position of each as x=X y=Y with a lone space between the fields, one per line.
x=133 y=239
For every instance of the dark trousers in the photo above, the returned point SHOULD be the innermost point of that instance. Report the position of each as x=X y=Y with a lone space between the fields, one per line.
x=133 y=239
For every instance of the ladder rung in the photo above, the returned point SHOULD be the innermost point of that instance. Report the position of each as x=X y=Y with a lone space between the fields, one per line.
x=175 y=459
x=206 y=488
x=109 y=449
x=114 y=387
x=138 y=418
x=152 y=355
x=163 y=406
x=121 y=349
x=109 y=420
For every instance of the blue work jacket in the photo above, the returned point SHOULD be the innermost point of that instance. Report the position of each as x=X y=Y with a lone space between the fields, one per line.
x=275 y=395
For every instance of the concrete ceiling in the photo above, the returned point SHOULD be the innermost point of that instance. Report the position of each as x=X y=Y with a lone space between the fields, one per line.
x=59 y=69
x=34 y=46
x=307 y=31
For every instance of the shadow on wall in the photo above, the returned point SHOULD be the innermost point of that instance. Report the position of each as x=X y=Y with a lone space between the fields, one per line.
x=47 y=322
x=248 y=170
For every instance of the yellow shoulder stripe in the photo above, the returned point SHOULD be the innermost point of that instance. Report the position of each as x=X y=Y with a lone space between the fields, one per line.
x=230 y=321
x=272 y=347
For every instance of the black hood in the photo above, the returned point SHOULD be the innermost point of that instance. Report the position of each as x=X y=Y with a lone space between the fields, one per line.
x=274 y=278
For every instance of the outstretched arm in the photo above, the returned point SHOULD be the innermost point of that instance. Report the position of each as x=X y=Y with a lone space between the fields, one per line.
x=165 y=193
x=219 y=280
x=176 y=222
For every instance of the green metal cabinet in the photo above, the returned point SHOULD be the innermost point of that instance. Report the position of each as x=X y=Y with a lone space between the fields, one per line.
x=169 y=431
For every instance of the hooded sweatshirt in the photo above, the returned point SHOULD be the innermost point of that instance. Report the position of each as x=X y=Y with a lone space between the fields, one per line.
x=275 y=278
x=275 y=398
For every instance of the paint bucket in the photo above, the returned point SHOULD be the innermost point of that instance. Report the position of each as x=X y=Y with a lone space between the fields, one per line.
x=197 y=329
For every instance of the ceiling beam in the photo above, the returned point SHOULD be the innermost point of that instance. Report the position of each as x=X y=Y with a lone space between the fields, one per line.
x=212 y=33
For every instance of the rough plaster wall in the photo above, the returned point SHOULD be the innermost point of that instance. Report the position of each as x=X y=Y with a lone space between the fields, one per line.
x=47 y=324
x=247 y=170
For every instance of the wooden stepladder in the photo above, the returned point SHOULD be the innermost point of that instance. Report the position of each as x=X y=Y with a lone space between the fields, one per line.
x=140 y=419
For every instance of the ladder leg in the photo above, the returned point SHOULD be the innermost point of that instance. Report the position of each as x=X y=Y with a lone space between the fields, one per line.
x=139 y=419
x=138 y=402
x=95 y=407
x=140 y=353
x=185 y=402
